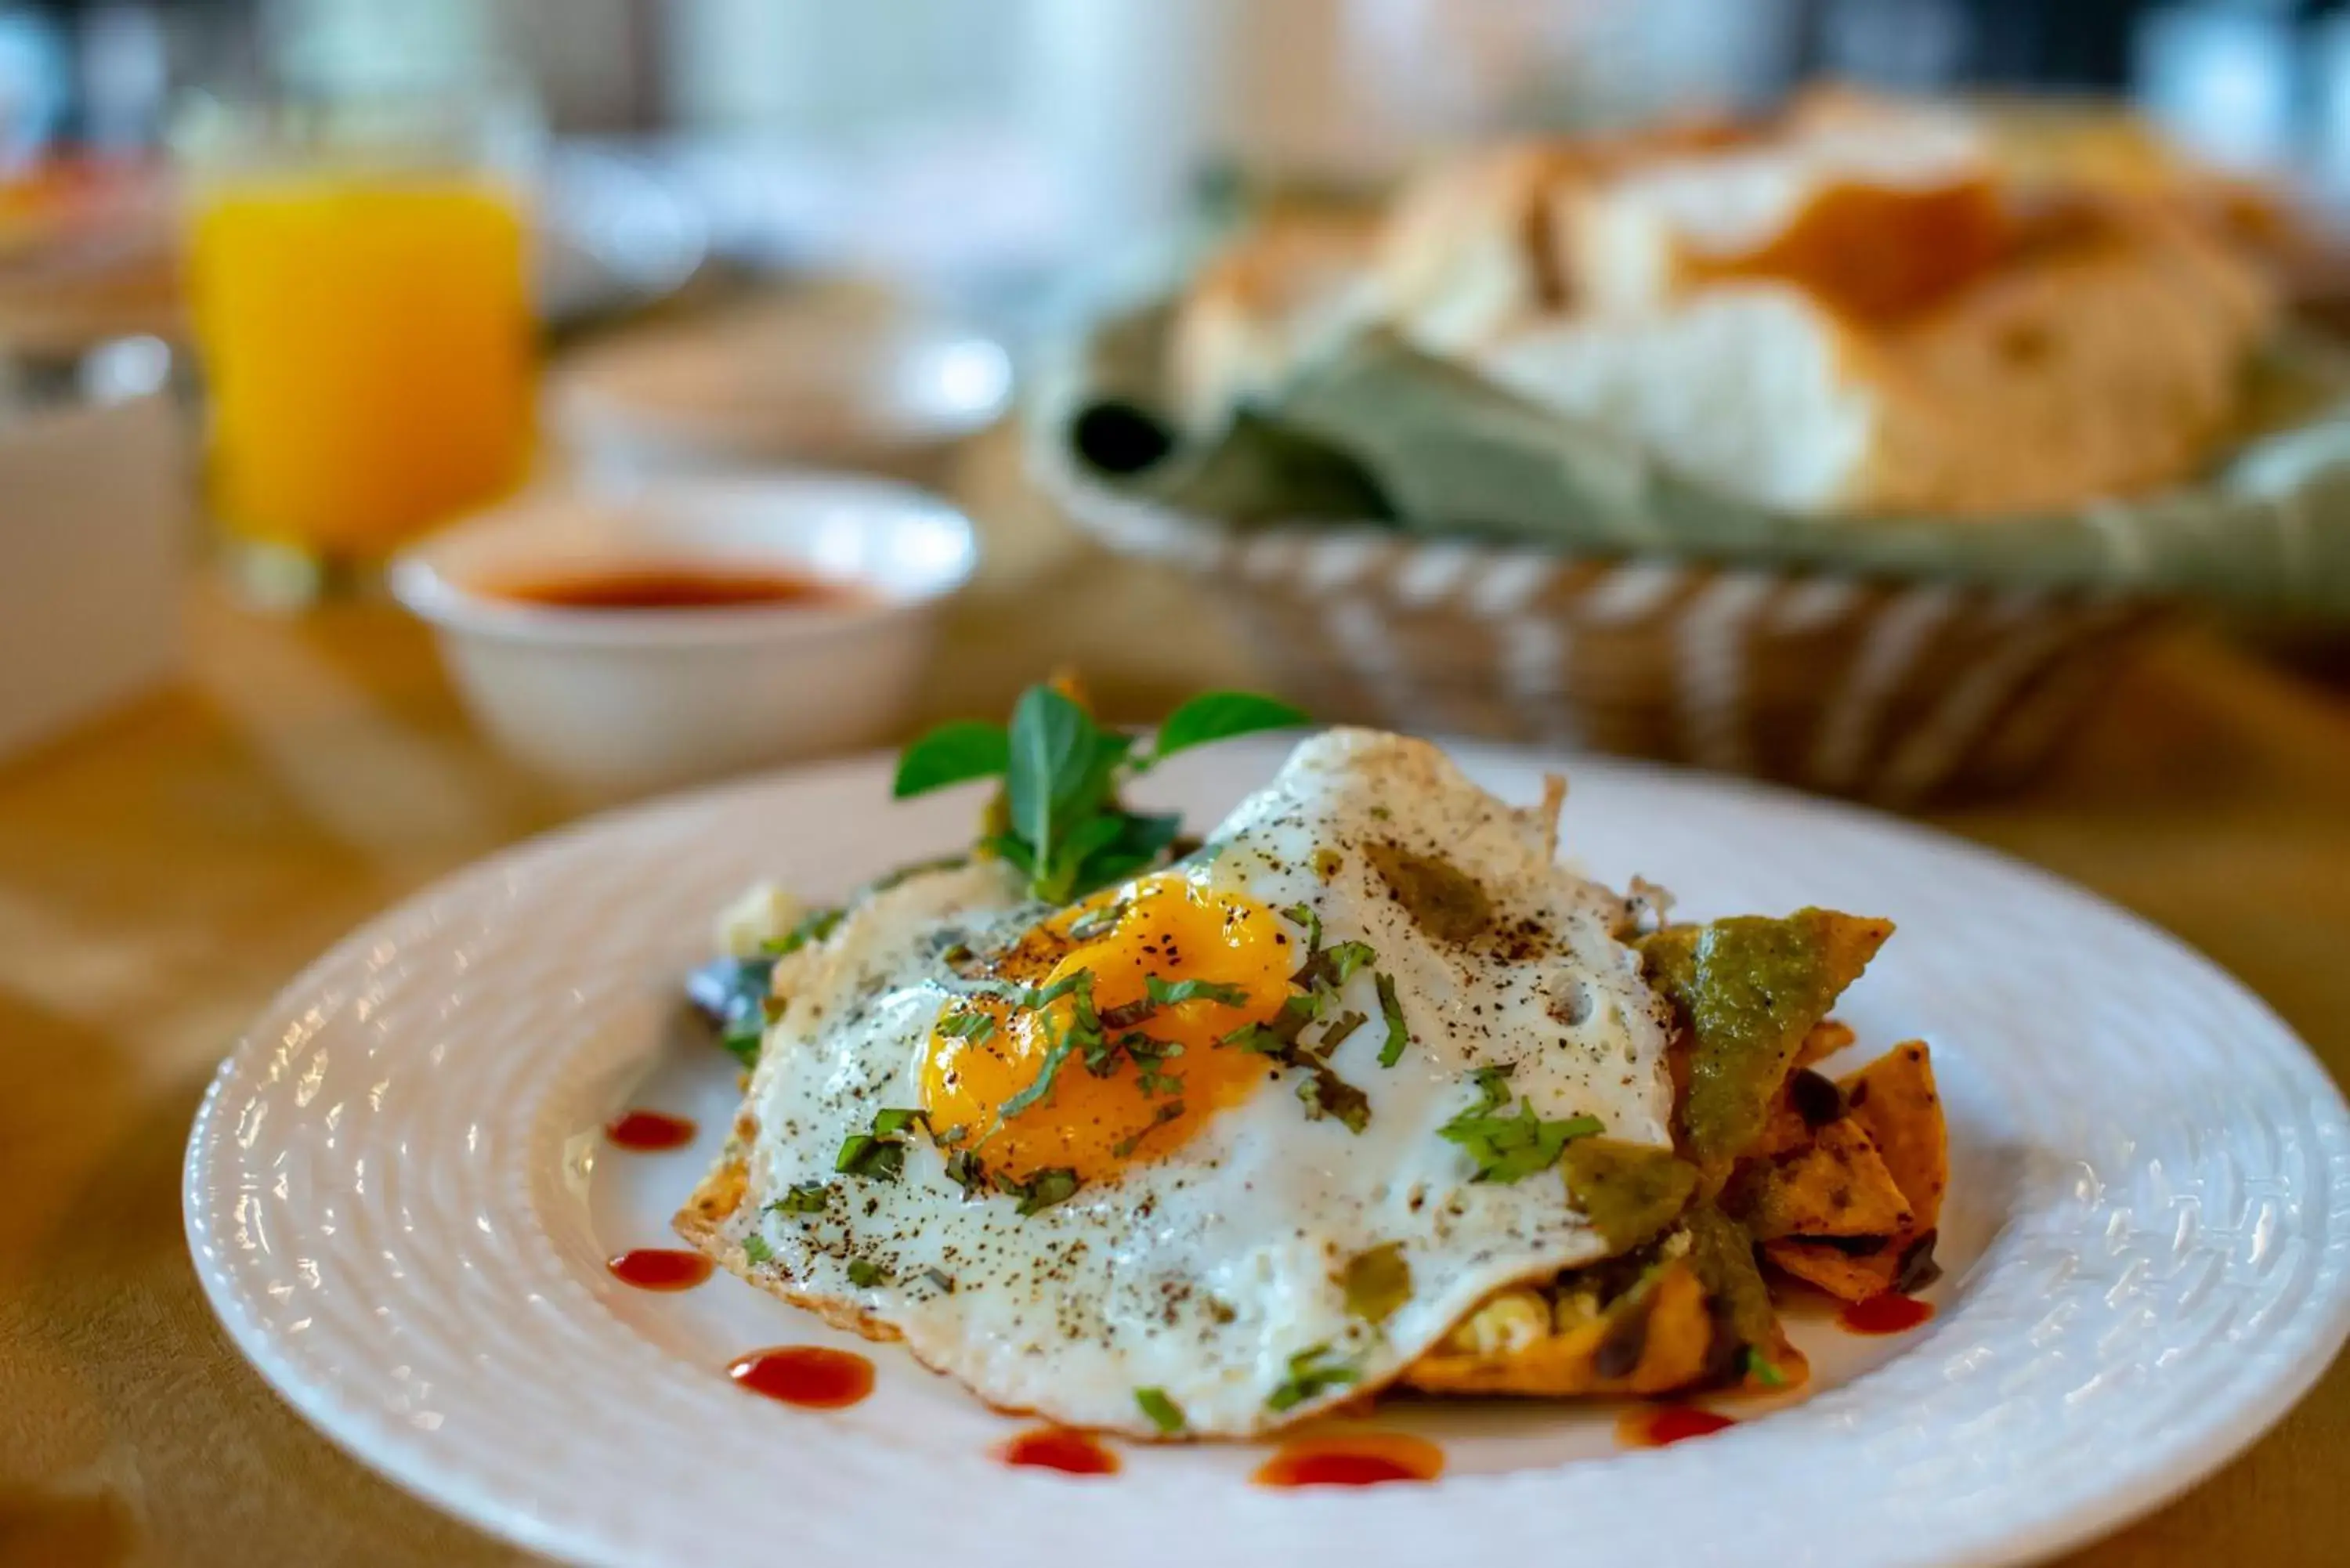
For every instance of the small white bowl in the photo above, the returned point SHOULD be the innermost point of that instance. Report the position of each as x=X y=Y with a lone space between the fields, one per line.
x=822 y=382
x=617 y=702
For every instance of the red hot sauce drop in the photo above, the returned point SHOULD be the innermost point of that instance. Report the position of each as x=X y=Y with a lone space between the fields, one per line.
x=659 y=1267
x=812 y=1376
x=1658 y=1424
x=1891 y=1312
x=646 y=1132
x=1059 y=1448
x=1354 y=1459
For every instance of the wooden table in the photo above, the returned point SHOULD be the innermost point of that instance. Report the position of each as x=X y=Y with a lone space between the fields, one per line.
x=162 y=874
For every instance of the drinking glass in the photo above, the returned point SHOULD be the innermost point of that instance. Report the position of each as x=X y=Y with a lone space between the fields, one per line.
x=358 y=276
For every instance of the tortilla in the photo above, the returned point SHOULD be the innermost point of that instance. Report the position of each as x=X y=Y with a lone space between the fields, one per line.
x=1894 y=1104
x=1748 y=991
x=1894 y=1098
x=1657 y=1337
x=1847 y=1276
x=1836 y=1185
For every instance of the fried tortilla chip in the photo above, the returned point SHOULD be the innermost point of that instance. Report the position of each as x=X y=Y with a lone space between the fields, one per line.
x=1657 y=1336
x=1824 y=1041
x=1894 y=1098
x=1748 y=992
x=1893 y=1102
x=1847 y=1276
x=1837 y=1185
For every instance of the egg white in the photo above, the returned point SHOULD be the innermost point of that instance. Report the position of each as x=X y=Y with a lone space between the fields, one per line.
x=1207 y=1272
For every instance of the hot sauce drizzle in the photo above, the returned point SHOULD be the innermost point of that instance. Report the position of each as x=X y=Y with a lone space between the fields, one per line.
x=1658 y=1424
x=812 y=1376
x=659 y=1267
x=1891 y=1312
x=647 y=1131
x=1059 y=1448
x=1354 y=1459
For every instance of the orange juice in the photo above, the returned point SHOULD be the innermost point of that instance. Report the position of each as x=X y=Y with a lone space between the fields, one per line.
x=366 y=346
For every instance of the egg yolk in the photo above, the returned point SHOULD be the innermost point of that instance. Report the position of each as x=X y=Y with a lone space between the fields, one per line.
x=1164 y=1069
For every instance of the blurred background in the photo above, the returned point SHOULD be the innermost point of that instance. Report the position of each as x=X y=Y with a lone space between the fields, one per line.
x=638 y=238
x=984 y=155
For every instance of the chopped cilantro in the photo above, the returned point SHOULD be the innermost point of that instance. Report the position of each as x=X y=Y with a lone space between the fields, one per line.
x=1150 y=1056
x=1311 y=1374
x=742 y=1035
x=1042 y=1190
x=813 y=927
x=1760 y=1367
x=1166 y=993
x=1322 y=1092
x=1164 y=1413
x=1391 y=1009
x=1082 y=1031
x=864 y=1274
x=869 y=1158
x=1335 y=1032
x=1099 y=923
x=809 y=1197
x=1325 y=1094
x=962 y=1170
x=755 y=1248
x=1327 y=968
x=880 y=1154
x=1505 y=1147
x=973 y=1025
x=1167 y=1112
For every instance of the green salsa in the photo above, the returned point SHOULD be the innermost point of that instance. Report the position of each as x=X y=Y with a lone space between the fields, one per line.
x=1748 y=990
x=1722 y=1254
x=1629 y=1191
x=1446 y=901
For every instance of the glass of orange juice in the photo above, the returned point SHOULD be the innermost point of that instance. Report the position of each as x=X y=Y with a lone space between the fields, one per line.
x=358 y=281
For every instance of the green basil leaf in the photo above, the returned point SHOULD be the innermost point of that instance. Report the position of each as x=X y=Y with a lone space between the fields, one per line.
x=1053 y=750
x=1219 y=715
x=952 y=754
x=1058 y=883
x=864 y=1274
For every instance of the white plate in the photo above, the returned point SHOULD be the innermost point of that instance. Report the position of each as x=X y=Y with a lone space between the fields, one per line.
x=401 y=1205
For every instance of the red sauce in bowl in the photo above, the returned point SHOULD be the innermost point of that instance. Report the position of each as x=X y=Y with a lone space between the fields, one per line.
x=676 y=587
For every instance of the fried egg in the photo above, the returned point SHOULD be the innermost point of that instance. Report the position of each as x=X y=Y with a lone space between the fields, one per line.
x=1200 y=1154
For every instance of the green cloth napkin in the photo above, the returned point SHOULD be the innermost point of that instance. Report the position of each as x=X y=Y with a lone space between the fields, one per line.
x=1381 y=432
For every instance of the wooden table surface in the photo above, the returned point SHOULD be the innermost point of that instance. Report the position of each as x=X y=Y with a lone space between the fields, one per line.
x=164 y=871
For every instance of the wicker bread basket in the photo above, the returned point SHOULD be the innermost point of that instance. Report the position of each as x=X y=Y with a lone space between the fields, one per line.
x=1888 y=691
